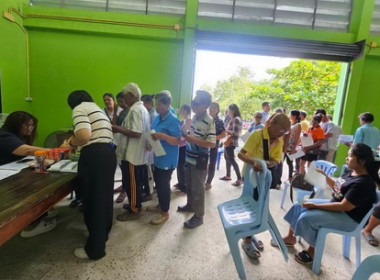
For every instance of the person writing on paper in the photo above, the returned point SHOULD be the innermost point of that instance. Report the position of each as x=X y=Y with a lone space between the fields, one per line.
x=16 y=138
x=132 y=151
x=273 y=132
x=168 y=132
x=318 y=136
x=96 y=170
x=352 y=198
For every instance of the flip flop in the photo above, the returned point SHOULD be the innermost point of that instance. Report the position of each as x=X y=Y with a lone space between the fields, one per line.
x=274 y=243
x=258 y=243
x=371 y=239
x=303 y=258
x=251 y=250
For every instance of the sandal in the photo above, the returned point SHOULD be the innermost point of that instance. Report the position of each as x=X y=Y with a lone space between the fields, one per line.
x=43 y=226
x=121 y=197
x=251 y=250
x=258 y=243
x=371 y=239
x=225 y=178
x=303 y=258
x=275 y=244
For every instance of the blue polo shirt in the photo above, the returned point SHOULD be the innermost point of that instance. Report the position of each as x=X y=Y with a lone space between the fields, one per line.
x=169 y=125
x=368 y=134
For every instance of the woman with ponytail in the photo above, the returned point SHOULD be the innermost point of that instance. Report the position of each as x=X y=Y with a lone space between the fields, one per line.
x=352 y=198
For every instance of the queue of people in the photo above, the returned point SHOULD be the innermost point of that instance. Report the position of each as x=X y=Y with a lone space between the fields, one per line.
x=191 y=146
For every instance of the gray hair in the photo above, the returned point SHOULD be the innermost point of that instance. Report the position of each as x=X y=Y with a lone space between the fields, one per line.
x=132 y=89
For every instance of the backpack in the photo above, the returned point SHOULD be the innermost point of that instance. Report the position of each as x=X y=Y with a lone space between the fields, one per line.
x=299 y=182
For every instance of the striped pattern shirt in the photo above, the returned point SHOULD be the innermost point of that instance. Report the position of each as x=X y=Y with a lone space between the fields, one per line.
x=203 y=128
x=88 y=115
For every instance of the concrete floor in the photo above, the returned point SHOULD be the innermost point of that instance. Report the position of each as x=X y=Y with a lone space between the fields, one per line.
x=138 y=250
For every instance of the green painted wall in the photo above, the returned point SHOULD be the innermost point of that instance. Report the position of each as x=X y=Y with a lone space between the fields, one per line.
x=62 y=62
x=12 y=61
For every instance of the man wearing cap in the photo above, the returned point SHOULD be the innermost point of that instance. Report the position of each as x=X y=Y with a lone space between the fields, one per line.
x=132 y=151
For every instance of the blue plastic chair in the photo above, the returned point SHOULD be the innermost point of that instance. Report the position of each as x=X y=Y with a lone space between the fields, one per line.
x=321 y=238
x=249 y=214
x=327 y=167
x=369 y=266
x=218 y=157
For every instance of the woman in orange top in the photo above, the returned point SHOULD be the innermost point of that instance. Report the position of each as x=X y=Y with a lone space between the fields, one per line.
x=318 y=135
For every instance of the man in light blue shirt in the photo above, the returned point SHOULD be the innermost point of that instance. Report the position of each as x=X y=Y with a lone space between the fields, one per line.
x=368 y=133
x=266 y=109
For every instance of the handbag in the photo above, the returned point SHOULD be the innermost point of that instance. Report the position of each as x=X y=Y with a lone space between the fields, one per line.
x=312 y=151
x=228 y=141
x=299 y=182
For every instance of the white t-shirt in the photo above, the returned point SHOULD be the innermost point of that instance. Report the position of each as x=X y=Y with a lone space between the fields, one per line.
x=130 y=149
x=89 y=116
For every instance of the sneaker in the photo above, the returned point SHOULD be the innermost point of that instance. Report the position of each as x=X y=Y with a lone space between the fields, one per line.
x=153 y=208
x=128 y=216
x=159 y=219
x=80 y=253
x=193 y=222
x=185 y=208
x=44 y=225
x=208 y=186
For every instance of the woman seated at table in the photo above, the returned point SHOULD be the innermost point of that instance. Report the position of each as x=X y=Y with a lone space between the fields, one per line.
x=352 y=198
x=16 y=138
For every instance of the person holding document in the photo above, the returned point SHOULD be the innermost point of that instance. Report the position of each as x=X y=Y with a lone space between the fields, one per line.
x=295 y=132
x=168 y=131
x=352 y=198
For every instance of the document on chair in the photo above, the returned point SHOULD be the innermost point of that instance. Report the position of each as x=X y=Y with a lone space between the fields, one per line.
x=299 y=153
x=306 y=140
x=314 y=177
x=158 y=150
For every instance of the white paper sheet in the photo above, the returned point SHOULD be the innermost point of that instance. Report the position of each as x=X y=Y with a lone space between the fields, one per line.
x=299 y=153
x=306 y=140
x=346 y=138
x=158 y=150
x=315 y=178
x=7 y=173
x=18 y=165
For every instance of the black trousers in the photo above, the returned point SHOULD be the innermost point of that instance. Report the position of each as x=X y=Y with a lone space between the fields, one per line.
x=162 y=181
x=181 y=169
x=96 y=172
x=133 y=179
x=229 y=155
x=212 y=164
x=290 y=165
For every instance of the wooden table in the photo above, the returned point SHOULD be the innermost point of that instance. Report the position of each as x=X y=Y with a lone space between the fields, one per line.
x=26 y=196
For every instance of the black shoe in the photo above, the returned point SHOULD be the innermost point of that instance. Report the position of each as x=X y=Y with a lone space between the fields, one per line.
x=193 y=222
x=126 y=207
x=185 y=208
x=75 y=203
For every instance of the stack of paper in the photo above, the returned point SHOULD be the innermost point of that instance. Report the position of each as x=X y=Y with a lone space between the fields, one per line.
x=306 y=140
x=299 y=153
x=346 y=138
x=314 y=177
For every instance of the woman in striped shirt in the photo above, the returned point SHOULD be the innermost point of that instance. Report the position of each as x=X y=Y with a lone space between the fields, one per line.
x=96 y=169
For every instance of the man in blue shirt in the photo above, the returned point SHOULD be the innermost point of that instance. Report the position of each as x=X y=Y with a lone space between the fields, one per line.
x=168 y=131
x=368 y=133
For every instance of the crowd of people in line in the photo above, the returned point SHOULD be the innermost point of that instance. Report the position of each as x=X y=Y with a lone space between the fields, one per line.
x=118 y=134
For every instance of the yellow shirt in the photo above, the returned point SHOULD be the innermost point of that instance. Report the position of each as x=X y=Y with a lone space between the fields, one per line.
x=255 y=149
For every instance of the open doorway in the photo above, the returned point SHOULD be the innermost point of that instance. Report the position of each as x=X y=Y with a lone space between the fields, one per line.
x=290 y=83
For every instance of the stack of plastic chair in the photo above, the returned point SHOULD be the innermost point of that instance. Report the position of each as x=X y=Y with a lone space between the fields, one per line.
x=218 y=157
x=249 y=214
x=327 y=167
x=321 y=238
x=369 y=266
